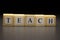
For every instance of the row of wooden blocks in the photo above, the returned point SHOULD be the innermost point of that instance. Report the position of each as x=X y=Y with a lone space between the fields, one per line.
x=28 y=20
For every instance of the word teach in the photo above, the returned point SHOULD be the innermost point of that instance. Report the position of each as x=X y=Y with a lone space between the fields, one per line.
x=28 y=20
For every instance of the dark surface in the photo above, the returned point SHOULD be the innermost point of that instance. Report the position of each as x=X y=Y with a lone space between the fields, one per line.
x=30 y=33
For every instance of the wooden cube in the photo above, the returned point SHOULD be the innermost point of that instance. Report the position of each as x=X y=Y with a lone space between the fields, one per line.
x=29 y=20
x=7 y=20
x=39 y=20
x=19 y=20
x=50 y=20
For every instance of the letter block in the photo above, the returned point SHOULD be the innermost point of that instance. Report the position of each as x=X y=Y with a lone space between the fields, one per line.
x=7 y=19
x=19 y=20
x=29 y=20
x=50 y=20
x=39 y=20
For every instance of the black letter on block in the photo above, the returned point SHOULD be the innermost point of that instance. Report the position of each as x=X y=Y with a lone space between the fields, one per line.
x=40 y=20
x=30 y=20
x=19 y=20
x=8 y=20
x=50 y=21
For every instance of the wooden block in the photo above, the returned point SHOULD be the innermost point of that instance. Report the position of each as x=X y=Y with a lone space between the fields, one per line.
x=50 y=20
x=19 y=20
x=7 y=19
x=29 y=20
x=39 y=20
